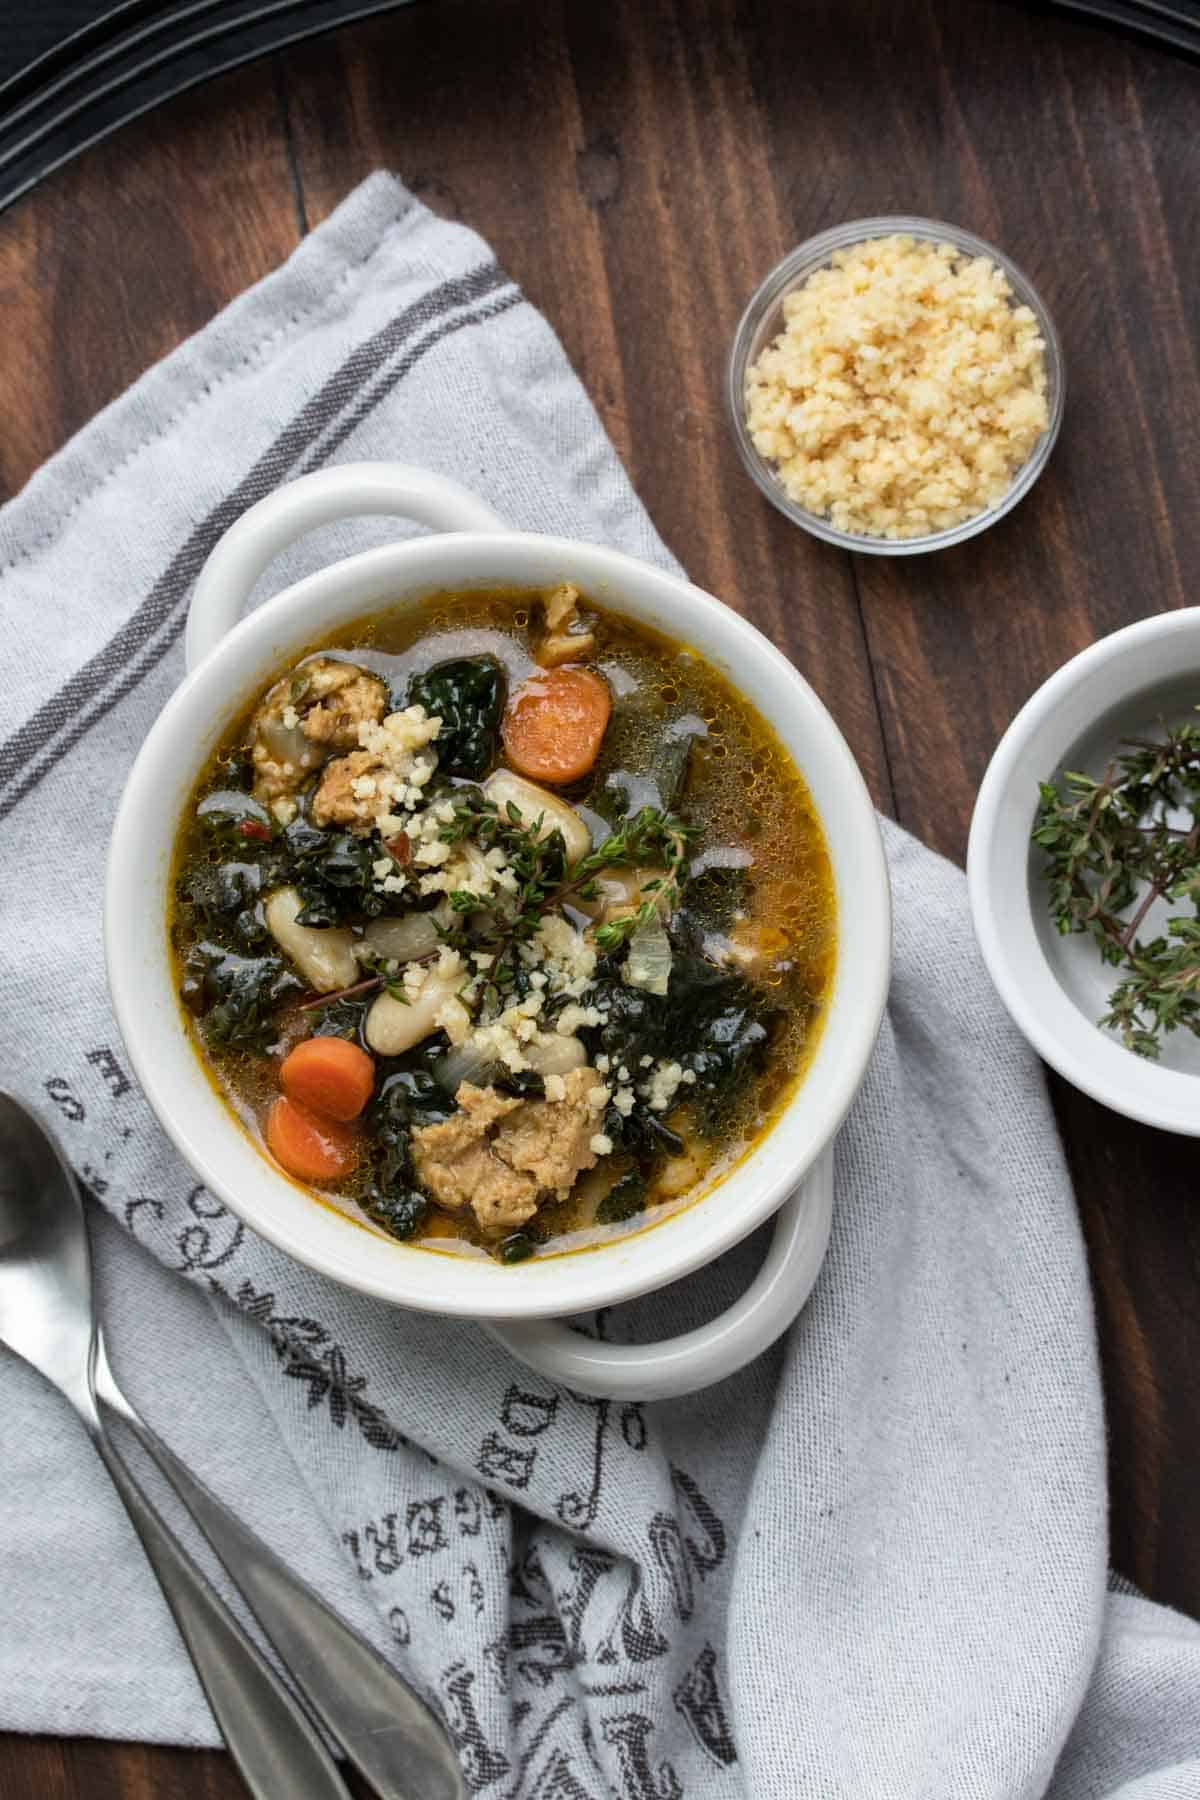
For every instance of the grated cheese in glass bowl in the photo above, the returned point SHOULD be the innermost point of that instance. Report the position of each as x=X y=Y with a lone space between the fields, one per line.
x=896 y=385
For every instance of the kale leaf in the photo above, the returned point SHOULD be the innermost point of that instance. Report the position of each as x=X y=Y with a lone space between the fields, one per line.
x=518 y=1247
x=672 y=760
x=522 y=1084
x=224 y=898
x=236 y=995
x=710 y=1020
x=400 y=1210
x=642 y=1133
x=341 y=1018
x=712 y=895
x=467 y=695
x=332 y=871
x=721 y=1023
x=624 y=1200
x=408 y=1098
x=633 y=774
x=233 y=817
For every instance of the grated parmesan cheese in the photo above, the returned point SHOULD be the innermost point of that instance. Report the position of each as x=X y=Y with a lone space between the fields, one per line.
x=662 y=1086
x=905 y=390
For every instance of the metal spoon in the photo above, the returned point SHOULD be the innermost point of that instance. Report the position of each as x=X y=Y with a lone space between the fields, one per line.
x=46 y=1316
x=384 y=1727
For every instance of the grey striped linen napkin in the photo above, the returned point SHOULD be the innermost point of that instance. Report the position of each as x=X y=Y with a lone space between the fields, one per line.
x=874 y=1563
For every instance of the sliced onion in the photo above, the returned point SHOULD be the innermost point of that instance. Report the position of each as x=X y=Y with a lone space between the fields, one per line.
x=648 y=964
x=617 y=891
x=721 y=856
x=403 y=940
x=463 y=1064
x=288 y=744
x=232 y=803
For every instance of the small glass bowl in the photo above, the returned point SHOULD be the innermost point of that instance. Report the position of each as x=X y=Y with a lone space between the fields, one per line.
x=763 y=321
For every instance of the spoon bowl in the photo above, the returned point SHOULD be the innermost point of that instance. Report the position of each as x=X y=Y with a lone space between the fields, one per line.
x=45 y=1264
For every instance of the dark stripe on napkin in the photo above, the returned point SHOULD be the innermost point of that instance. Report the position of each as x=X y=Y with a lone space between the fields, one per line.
x=62 y=721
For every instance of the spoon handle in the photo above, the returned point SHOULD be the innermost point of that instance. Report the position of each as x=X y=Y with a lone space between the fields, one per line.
x=383 y=1726
x=273 y=1744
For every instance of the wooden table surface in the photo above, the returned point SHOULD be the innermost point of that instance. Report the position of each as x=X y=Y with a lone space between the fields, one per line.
x=638 y=165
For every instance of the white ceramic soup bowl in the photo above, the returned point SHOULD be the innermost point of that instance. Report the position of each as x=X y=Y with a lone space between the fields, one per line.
x=788 y=1172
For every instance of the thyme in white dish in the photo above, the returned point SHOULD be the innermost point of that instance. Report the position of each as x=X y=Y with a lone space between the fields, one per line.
x=1117 y=845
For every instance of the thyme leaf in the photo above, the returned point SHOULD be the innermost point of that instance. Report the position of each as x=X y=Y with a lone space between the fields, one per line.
x=1114 y=847
x=545 y=879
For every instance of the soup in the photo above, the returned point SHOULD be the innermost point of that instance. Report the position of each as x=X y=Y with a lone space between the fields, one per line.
x=504 y=925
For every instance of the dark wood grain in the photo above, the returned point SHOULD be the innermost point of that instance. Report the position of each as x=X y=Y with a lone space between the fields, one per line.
x=84 y=1769
x=638 y=166
x=121 y=255
x=635 y=216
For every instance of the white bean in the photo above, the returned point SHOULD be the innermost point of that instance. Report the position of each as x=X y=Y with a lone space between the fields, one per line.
x=324 y=957
x=393 y=1027
x=550 y=1054
x=503 y=787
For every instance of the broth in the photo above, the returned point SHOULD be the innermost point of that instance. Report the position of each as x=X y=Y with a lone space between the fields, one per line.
x=751 y=932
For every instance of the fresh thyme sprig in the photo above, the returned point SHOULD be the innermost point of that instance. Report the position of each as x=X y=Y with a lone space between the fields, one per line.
x=1116 y=846
x=615 y=932
x=649 y=838
x=380 y=977
x=546 y=879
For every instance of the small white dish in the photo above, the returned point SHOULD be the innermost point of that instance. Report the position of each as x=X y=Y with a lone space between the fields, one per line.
x=1057 y=987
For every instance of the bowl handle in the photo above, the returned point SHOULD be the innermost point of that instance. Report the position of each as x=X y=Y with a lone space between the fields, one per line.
x=696 y=1359
x=346 y=491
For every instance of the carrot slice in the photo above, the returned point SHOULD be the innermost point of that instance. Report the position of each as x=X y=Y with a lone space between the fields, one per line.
x=555 y=724
x=330 y=1076
x=310 y=1148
